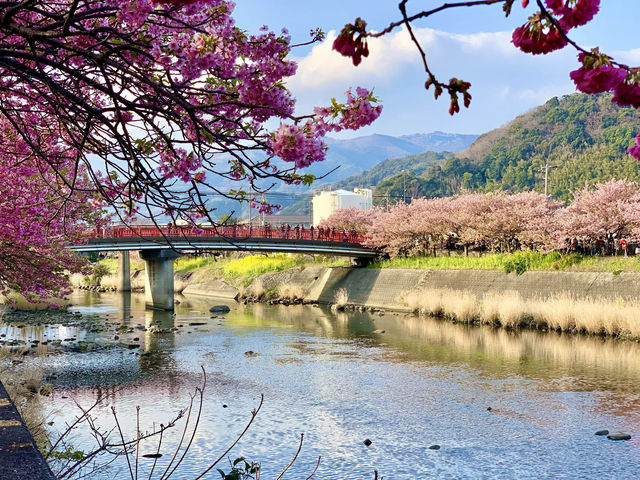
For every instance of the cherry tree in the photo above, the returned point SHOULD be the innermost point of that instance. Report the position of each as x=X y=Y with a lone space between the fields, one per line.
x=547 y=29
x=158 y=99
x=414 y=228
x=602 y=211
x=42 y=209
x=351 y=218
x=142 y=105
x=541 y=221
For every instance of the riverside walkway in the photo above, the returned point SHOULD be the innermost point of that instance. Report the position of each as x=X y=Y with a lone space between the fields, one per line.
x=20 y=459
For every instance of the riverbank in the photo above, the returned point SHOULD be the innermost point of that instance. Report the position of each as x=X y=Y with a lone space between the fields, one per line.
x=599 y=303
x=519 y=290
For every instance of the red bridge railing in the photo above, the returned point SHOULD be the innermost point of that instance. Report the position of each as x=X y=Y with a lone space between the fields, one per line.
x=229 y=231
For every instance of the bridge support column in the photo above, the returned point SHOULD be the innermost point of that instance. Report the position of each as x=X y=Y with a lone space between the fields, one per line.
x=361 y=261
x=124 y=272
x=158 y=283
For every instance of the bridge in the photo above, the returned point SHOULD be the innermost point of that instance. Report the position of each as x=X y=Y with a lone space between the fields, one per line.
x=159 y=246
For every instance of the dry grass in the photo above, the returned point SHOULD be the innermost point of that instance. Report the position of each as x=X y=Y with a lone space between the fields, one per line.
x=180 y=282
x=17 y=301
x=76 y=280
x=255 y=289
x=25 y=388
x=110 y=281
x=290 y=291
x=341 y=297
x=504 y=309
x=614 y=317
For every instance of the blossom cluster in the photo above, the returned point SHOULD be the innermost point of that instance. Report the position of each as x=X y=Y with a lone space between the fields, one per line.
x=352 y=41
x=303 y=145
x=598 y=74
x=541 y=35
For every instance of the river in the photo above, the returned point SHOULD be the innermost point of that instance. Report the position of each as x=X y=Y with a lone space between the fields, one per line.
x=500 y=404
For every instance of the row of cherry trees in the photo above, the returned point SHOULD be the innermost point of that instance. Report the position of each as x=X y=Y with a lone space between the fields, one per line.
x=597 y=218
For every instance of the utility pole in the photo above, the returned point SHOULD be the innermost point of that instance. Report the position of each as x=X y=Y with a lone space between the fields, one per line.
x=404 y=186
x=546 y=177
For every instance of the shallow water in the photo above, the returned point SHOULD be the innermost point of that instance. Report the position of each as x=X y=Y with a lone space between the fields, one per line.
x=339 y=380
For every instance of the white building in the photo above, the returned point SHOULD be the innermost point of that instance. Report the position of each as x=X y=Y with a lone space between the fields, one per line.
x=325 y=203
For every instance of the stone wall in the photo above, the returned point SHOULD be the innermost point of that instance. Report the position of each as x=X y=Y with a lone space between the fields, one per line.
x=383 y=287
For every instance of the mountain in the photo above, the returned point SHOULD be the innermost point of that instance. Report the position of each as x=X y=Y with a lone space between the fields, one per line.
x=583 y=139
x=347 y=159
x=441 y=141
x=415 y=164
x=352 y=156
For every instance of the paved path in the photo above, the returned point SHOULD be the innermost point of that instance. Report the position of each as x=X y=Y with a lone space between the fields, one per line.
x=19 y=457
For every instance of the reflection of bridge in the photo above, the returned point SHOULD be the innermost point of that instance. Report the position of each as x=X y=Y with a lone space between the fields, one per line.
x=159 y=246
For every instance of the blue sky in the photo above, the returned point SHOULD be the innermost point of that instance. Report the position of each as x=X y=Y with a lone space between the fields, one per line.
x=470 y=43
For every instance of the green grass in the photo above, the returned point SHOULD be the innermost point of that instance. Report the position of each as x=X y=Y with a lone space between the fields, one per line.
x=518 y=262
x=110 y=263
x=240 y=271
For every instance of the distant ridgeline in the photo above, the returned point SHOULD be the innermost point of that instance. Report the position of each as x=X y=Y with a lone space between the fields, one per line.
x=584 y=137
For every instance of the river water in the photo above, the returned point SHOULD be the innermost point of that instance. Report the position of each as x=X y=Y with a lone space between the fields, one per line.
x=500 y=404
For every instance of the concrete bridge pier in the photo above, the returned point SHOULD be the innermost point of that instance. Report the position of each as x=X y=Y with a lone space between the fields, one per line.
x=124 y=271
x=158 y=283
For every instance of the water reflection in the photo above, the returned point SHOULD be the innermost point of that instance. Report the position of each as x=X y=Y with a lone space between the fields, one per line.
x=595 y=362
x=406 y=382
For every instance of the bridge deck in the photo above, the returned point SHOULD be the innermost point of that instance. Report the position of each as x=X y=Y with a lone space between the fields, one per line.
x=264 y=239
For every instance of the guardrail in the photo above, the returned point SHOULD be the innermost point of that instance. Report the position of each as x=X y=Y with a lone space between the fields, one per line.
x=296 y=232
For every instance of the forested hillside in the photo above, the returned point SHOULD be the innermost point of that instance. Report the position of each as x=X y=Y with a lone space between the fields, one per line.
x=582 y=137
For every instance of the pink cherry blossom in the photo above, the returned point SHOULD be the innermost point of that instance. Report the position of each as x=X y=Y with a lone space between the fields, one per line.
x=598 y=80
x=537 y=40
x=627 y=94
x=635 y=150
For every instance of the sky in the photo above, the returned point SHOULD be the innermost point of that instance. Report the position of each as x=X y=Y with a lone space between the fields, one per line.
x=469 y=43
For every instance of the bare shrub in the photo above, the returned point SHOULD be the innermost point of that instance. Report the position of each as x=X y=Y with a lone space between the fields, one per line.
x=111 y=281
x=290 y=291
x=180 y=282
x=256 y=288
x=341 y=297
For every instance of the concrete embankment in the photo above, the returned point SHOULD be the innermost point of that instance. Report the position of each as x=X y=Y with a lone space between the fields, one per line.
x=385 y=288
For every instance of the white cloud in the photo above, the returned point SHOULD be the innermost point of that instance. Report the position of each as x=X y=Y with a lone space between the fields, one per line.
x=496 y=42
x=629 y=56
x=390 y=54
x=324 y=65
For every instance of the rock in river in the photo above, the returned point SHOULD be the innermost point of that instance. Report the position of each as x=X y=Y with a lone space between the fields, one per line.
x=619 y=436
x=602 y=432
x=219 y=309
